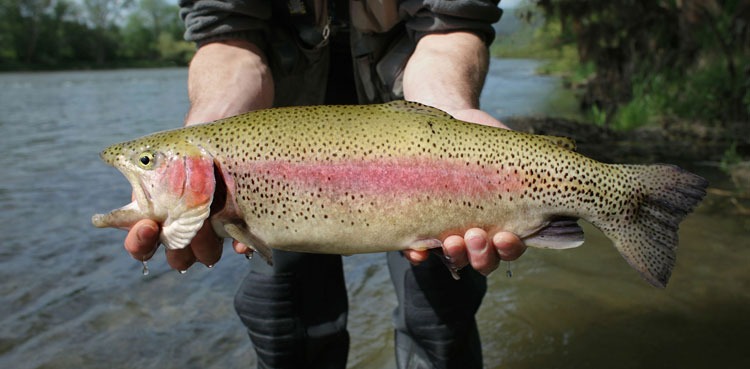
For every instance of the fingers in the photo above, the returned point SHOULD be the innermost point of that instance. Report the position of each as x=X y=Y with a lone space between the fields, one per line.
x=207 y=246
x=454 y=248
x=508 y=246
x=142 y=242
x=475 y=249
x=142 y=239
x=180 y=259
x=240 y=247
x=416 y=256
x=481 y=254
x=477 y=116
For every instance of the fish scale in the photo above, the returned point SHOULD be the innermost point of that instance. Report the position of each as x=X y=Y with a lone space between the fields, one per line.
x=371 y=178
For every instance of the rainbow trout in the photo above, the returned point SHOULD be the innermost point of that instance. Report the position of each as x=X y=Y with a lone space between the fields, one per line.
x=372 y=178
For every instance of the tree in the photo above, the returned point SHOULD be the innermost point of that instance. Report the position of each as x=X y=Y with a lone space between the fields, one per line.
x=630 y=40
x=154 y=31
x=102 y=16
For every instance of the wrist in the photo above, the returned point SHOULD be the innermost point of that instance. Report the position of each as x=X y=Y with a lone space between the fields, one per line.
x=447 y=71
x=228 y=78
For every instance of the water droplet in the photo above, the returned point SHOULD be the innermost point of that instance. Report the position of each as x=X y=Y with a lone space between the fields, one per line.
x=508 y=273
x=249 y=254
x=145 y=270
x=210 y=266
x=182 y=271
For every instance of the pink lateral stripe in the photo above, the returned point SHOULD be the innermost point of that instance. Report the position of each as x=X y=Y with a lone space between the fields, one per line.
x=389 y=176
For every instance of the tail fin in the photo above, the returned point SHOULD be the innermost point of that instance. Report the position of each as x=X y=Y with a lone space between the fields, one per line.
x=647 y=236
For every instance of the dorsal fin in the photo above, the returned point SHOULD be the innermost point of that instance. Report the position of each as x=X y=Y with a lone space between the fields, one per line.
x=564 y=142
x=415 y=107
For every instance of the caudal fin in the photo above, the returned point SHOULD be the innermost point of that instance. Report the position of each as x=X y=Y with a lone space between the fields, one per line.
x=647 y=235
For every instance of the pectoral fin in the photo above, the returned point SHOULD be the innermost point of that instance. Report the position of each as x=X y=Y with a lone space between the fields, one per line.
x=241 y=232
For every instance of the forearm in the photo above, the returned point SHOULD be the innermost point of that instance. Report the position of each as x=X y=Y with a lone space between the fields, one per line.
x=447 y=71
x=228 y=78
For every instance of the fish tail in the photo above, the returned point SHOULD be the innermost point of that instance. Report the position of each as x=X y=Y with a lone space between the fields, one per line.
x=645 y=233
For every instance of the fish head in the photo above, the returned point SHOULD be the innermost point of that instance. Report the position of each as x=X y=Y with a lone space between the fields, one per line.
x=173 y=184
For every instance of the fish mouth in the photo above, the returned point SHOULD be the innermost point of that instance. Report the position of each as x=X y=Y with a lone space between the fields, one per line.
x=140 y=194
x=126 y=216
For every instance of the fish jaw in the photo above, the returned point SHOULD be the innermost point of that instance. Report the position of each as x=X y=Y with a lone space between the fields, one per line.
x=175 y=189
x=140 y=208
x=123 y=218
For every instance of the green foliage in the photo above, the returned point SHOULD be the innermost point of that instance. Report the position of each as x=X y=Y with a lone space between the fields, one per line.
x=538 y=39
x=642 y=110
x=648 y=104
x=177 y=51
x=730 y=158
x=597 y=116
x=533 y=40
x=639 y=60
x=54 y=34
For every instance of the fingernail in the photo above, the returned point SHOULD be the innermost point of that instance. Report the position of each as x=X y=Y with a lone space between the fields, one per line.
x=502 y=238
x=475 y=241
x=505 y=245
x=146 y=232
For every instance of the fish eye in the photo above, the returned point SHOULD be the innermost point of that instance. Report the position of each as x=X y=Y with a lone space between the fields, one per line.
x=146 y=160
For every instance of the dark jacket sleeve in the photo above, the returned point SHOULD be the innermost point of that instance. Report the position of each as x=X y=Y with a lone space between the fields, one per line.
x=213 y=20
x=434 y=16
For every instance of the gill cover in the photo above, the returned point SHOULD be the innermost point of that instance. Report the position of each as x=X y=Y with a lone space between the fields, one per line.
x=191 y=177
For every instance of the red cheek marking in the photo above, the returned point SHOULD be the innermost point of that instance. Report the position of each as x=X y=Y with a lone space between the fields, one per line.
x=200 y=184
x=402 y=176
x=191 y=178
x=173 y=176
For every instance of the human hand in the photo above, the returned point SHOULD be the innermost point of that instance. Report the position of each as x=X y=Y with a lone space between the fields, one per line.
x=474 y=247
x=143 y=240
x=476 y=116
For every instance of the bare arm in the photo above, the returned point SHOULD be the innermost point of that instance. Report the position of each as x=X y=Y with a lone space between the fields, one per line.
x=228 y=78
x=447 y=71
x=225 y=78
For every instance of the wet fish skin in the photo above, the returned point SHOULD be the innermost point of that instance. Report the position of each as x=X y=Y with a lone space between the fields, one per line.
x=356 y=179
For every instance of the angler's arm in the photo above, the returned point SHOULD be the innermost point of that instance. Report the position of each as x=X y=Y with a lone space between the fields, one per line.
x=225 y=78
x=447 y=71
x=228 y=78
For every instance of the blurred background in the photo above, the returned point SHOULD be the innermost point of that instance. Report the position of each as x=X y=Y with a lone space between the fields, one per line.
x=634 y=81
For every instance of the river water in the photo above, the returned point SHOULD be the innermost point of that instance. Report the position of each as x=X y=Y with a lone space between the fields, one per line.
x=71 y=297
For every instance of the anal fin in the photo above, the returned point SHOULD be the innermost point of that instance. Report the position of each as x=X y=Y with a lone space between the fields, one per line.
x=560 y=233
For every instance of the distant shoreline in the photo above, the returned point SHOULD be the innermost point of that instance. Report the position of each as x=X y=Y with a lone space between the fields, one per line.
x=87 y=66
